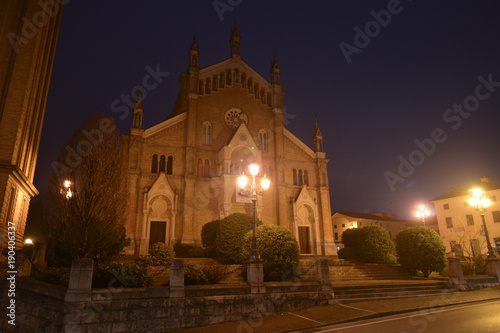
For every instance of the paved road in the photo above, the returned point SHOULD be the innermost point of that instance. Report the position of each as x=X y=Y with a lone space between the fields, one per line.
x=483 y=317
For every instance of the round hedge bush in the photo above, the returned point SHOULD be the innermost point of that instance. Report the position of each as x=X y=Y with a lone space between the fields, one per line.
x=208 y=237
x=370 y=244
x=230 y=233
x=421 y=249
x=277 y=247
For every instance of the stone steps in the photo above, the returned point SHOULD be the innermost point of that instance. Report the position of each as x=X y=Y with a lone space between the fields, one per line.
x=352 y=294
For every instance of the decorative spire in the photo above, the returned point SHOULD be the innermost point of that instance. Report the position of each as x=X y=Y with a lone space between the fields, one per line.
x=317 y=137
x=193 y=53
x=235 y=41
x=138 y=112
x=275 y=70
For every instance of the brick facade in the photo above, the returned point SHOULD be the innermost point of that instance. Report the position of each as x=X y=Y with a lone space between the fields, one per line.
x=226 y=117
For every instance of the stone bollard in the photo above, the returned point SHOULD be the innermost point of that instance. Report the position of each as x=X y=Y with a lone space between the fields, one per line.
x=80 y=281
x=323 y=275
x=255 y=276
x=493 y=267
x=177 y=278
x=455 y=271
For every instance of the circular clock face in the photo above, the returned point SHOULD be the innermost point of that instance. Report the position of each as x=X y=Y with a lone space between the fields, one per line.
x=235 y=117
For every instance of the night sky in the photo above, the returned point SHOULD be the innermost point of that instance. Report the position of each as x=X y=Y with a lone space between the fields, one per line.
x=405 y=80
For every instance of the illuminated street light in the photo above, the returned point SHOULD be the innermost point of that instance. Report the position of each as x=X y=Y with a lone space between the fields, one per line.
x=422 y=213
x=480 y=203
x=252 y=191
x=67 y=189
x=28 y=241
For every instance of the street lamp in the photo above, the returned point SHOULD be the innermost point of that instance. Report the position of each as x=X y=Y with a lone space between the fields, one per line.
x=251 y=190
x=480 y=203
x=422 y=212
x=67 y=189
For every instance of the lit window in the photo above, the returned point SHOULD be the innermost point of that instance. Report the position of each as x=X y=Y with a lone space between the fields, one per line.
x=449 y=222
x=207 y=133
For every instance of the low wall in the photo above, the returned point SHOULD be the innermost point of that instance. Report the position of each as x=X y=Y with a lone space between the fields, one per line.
x=42 y=307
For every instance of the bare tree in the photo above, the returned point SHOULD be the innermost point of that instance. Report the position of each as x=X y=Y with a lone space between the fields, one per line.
x=88 y=193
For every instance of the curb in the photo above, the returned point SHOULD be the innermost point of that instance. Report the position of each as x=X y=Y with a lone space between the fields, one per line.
x=385 y=314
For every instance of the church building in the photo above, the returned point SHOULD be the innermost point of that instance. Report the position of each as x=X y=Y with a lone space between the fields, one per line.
x=183 y=171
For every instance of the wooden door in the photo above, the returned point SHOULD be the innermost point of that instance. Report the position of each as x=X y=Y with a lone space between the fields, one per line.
x=304 y=243
x=157 y=232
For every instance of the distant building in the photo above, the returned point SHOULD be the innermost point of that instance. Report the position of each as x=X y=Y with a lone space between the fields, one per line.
x=460 y=225
x=183 y=170
x=341 y=221
x=28 y=37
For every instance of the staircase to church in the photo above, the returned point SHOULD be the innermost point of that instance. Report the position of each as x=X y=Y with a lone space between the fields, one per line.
x=351 y=270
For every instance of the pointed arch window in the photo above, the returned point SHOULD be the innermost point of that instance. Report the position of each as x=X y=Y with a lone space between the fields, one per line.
x=162 y=163
x=170 y=165
x=306 y=177
x=154 y=164
x=301 y=181
x=294 y=177
x=206 y=169
x=207 y=133
x=263 y=140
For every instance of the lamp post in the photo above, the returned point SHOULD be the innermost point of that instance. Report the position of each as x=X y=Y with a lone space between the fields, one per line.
x=480 y=203
x=67 y=189
x=422 y=212
x=252 y=191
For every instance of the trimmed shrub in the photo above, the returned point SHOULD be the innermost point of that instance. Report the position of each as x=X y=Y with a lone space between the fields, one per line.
x=370 y=244
x=376 y=245
x=197 y=252
x=121 y=274
x=278 y=248
x=160 y=254
x=182 y=250
x=347 y=253
x=208 y=236
x=351 y=238
x=230 y=234
x=194 y=274
x=421 y=249
x=54 y=275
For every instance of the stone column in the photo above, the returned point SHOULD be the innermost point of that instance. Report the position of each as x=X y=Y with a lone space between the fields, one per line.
x=255 y=276
x=177 y=279
x=493 y=267
x=323 y=275
x=80 y=281
x=455 y=272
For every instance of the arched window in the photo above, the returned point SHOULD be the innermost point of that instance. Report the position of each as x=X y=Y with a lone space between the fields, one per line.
x=154 y=164
x=170 y=165
x=207 y=133
x=306 y=177
x=263 y=140
x=162 y=163
x=294 y=177
x=301 y=182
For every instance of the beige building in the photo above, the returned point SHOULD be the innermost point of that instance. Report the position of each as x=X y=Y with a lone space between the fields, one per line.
x=341 y=221
x=28 y=31
x=183 y=170
x=461 y=226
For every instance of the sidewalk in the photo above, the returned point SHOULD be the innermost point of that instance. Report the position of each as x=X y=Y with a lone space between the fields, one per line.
x=330 y=314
